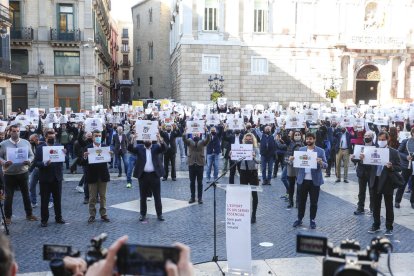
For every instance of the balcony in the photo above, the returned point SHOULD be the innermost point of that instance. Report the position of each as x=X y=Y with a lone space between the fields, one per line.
x=102 y=16
x=70 y=38
x=125 y=83
x=125 y=64
x=125 y=50
x=103 y=50
x=5 y=20
x=21 y=36
x=8 y=71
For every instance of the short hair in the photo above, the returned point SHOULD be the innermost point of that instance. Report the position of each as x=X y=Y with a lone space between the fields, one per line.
x=310 y=134
x=14 y=126
x=34 y=136
x=387 y=135
x=49 y=132
x=6 y=255
x=96 y=132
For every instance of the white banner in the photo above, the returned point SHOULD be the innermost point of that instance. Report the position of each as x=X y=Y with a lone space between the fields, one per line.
x=17 y=155
x=92 y=124
x=235 y=123
x=359 y=123
x=347 y=121
x=241 y=151
x=3 y=125
x=381 y=121
x=238 y=232
x=99 y=155
x=376 y=156
x=359 y=149
x=53 y=153
x=267 y=119
x=294 y=121
x=304 y=159
x=146 y=130
x=196 y=126
x=213 y=119
x=402 y=135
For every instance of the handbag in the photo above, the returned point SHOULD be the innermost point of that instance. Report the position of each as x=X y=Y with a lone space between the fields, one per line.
x=397 y=180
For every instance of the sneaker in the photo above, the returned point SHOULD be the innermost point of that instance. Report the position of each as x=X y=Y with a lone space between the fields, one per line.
x=79 y=189
x=374 y=229
x=388 y=232
x=50 y=205
x=290 y=206
x=129 y=185
x=312 y=224
x=34 y=205
x=284 y=196
x=208 y=181
x=86 y=201
x=91 y=219
x=297 y=223
x=369 y=213
x=359 y=212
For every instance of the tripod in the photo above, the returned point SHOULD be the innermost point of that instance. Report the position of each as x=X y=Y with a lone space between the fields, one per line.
x=214 y=185
x=3 y=217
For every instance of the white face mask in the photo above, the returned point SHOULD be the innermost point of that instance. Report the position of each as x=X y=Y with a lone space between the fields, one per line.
x=382 y=144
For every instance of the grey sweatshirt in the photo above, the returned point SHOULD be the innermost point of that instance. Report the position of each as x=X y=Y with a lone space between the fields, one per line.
x=15 y=169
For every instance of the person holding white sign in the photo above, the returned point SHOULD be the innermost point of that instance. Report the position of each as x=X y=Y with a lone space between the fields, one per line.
x=406 y=154
x=383 y=187
x=309 y=181
x=249 y=171
x=16 y=174
x=50 y=180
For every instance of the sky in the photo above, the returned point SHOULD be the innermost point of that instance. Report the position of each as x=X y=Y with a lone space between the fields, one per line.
x=121 y=9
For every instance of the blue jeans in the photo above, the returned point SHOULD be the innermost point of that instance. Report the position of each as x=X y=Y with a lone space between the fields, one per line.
x=267 y=163
x=131 y=164
x=33 y=180
x=180 y=145
x=285 y=179
x=212 y=158
x=125 y=161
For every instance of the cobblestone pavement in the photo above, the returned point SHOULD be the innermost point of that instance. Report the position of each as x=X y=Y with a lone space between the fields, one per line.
x=192 y=225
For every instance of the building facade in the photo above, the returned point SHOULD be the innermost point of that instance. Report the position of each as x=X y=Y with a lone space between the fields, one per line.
x=125 y=57
x=280 y=50
x=63 y=48
x=8 y=74
x=152 y=71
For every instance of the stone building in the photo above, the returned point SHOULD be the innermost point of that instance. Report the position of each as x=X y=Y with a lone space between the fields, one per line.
x=63 y=50
x=152 y=72
x=125 y=57
x=8 y=73
x=280 y=50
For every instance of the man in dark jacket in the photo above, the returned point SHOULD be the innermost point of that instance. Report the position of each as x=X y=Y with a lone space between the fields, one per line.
x=267 y=153
x=97 y=177
x=50 y=181
x=120 y=144
x=169 y=136
x=213 y=153
x=149 y=170
x=407 y=171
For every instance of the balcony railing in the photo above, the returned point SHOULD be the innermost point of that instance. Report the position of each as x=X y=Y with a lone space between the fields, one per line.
x=25 y=33
x=7 y=68
x=124 y=50
x=5 y=16
x=69 y=35
x=103 y=50
x=126 y=64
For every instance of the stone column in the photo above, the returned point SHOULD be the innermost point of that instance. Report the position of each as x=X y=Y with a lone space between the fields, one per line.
x=401 y=79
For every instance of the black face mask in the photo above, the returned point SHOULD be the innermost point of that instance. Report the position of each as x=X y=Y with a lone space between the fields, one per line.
x=237 y=132
x=196 y=139
x=343 y=130
x=51 y=141
x=168 y=130
x=213 y=133
x=33 y=144
x=267 y=132
x=147 y=144
x=367 y=140
x=248 y=142
x=89 y=140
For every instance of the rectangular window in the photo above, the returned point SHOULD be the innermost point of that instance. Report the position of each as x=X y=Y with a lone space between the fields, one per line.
x=139 y=82
x=65 y=18
x=20 y=61
x=261 y=11
x=125 y=75
x=211 y=15
x=151 y=50
x=125 y=47
x=138 y=21
x=259 y=66
x=124 y=33
x=67 y=64
x=15 y=14
x=150 y=79
x=211 y=64
x=138 y=55
x=150 y=15
x=125 y=60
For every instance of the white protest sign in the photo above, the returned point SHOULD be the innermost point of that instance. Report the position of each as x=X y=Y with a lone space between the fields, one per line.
x=381 y=121
x=294 y=121
x=213 y=119
x=146 y=130
x=347 y=121
x=402 y=135
x=238 y=228
x=196 y=126
x=267 y=119
x=235 y=123
x=358 y=149
x=221 y=101
x=165 y=114
x=246 y=112
x=3 y=125
x=376 y=156
x=304 y=159
x=359 y=123
x=241 y=151
x=17 y=155
x=77 y=117
x=223 y=116
x=33 y=112
x=92 y=124
x=311 y=115
x=22 y=120
x=53 y=153
x=99 y=155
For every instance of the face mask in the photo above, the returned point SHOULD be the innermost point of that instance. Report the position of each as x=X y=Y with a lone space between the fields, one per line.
x=196 y=139
x=98 y=140
x=33 y=144
x=213 y=133
x=168 y=130
x=297 y=138
x=32 y=130
x=367 y=140
x=51 y=141
x=237 y=132
x=382 y=144
x=248 y=128
x=343 y=130
x=267 y=132
x=147 y=144
x=248 y=142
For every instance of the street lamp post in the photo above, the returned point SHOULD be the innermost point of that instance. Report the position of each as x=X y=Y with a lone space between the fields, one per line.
x=216 y=85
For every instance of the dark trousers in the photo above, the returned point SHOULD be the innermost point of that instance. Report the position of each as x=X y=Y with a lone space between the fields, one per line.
x=169 y=158
x=47 y=188
x=389 y=208
x=196 y=173
x=150 y=182
x=124 y=157
x=233 y=171
x=251 y=177
x=400 y=192
x=292 y=184
x=363 y=184
x=304 y=189
x=278 y=161
x=10 y=183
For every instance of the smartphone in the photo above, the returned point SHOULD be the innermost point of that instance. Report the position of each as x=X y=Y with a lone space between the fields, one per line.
x=133 y=259
x=52 y=251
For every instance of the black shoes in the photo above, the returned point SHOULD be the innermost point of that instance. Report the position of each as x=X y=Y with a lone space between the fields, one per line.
x=164 y=179
x=105 y=218
x=412 y=205
x=142 y=218
x=120 y=174
x=192 y=200
x=337 y=180
x=374 y=229
x=253 y=220
x=43 y=224
x=200 y=201
x=388 y=232
x=91 y=219
x=297 y=223
x=60 y=221
x=290 y=206
x=346 y=181
x=312 y=224
x=161 y=218
x=397 y=205
x=359 y=212
x=174 y=179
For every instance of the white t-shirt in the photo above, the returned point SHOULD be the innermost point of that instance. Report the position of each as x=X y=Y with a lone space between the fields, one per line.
x=308 y=172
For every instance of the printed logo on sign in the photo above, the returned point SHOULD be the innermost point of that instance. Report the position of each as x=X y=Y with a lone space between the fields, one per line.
x=94 y=124
x=53 y=151
x=99 y=152
x=146 y=129
x=375 y=155
x=305 y=157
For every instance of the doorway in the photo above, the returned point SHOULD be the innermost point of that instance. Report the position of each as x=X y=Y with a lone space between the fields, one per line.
x=367 y=84
x=67 y=96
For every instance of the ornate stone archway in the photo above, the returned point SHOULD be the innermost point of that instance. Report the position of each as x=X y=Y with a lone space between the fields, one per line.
x=367 y=84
